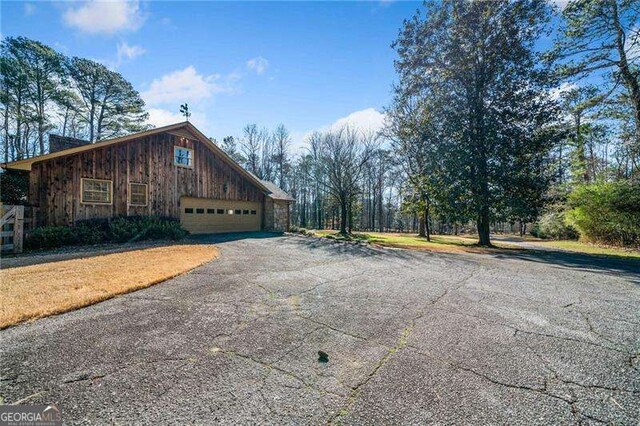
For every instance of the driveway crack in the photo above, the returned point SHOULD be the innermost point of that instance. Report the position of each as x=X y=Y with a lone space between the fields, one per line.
x=400 y=345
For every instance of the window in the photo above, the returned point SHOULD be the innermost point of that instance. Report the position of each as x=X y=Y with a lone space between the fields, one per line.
x=254 y=212
x=245 y=211
x=96 y=191
x=220 y=211
x=199 y=211
x=182 y=157
x=188 y=211
x=211 y=211
x=237 y=211
x=138 y=194
x=229 y=211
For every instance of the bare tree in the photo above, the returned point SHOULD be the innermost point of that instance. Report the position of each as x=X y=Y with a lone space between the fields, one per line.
x=250 y=147
x=341 y=157
x=267 y=166
x=281 y=142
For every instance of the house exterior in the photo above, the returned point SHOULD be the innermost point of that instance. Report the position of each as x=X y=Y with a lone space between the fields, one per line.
x=172 y=171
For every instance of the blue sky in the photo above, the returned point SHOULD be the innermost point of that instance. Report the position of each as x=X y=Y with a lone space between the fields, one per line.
x=303 y=64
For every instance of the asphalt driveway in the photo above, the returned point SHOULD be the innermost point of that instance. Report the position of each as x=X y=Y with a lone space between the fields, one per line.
x=412 y=337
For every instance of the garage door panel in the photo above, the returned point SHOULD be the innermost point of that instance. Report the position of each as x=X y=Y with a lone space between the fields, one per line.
x=204 y=215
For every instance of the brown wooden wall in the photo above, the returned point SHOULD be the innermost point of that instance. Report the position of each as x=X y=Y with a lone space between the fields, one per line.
x=55 y=184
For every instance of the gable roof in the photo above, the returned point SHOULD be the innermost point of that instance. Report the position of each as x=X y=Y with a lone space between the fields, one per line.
x=184 y=129
x=276 y=192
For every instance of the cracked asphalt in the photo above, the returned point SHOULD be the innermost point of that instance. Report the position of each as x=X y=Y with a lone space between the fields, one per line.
x=412 y=337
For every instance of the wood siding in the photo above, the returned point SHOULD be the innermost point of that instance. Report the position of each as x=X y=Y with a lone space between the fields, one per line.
x=55 y=183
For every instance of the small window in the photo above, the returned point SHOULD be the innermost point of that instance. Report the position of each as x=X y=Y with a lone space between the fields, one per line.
x=211 y=211
x=138 y=194
x=182 y=157
x=245 y=211
x=199 y=211
x=188 y=211
x=96 y=191
x=237 y=211
x=229 y=211
x=254 y=212
x=220 y=211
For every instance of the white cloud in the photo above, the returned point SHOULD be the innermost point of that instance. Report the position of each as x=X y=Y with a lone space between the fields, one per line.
x=560 y=4
x=186 y=85
x=366 y=120
x=632 y=43
x=105 y=17
x=29 y=9
x=161 y=117
x=557 y=92
x=129 y=52
x=258 y=64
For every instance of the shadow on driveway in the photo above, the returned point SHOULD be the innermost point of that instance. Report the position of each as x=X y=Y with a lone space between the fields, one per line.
x=231 y=236
x=629 y=268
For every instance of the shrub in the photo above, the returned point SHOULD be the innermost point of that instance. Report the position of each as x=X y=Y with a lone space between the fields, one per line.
x=607 y=212
x=123 y=229
x=298 y=230
x=94 y=231
x=552 y=224
x=50 y=236
x=87 y=233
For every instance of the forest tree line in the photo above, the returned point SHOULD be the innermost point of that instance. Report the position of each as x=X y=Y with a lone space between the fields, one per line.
x=45 y=91
x=486 y=131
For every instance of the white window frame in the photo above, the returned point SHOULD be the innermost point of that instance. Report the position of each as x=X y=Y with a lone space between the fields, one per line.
x=82 y=201
x=191 y=156
x=146 y=194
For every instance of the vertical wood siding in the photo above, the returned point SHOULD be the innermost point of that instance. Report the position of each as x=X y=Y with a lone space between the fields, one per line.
x=54 y=185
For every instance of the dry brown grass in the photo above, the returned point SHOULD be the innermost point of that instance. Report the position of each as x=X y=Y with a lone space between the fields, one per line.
x=36 y=291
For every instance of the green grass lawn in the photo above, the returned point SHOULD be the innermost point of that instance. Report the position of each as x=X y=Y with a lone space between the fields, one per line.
x=451 y=243
x=411 y=241
x=581 y=247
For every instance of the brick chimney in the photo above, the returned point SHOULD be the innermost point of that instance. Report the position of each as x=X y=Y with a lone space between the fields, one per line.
x=59 y=143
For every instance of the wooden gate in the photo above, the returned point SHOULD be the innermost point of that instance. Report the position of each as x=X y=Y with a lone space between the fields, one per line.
x=13 y=225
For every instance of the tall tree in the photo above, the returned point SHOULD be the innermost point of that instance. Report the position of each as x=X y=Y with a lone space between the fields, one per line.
x=250 y=145
x=110 y=105
x=230 y=146
x=267 y=165
x=412 y=129
x=341 y=157
x=282 y=142
x=478 y=63
x=603 y=37
x=579 y=104
x=44 y=76
x=14 y=99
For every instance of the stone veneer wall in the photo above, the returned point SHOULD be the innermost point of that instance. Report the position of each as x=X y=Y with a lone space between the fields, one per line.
x=276 y=215
x=280 y=216
x=268 y=214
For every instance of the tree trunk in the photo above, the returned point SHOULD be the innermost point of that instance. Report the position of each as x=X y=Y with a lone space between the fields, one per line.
x=91 y=123
x=630 y=80
x=64 y=123
x=381 y=211
x=483 y=227
x=427 y=229
x=421 y=226
x=6 y=134
x=343 y=217
x=41 y=135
